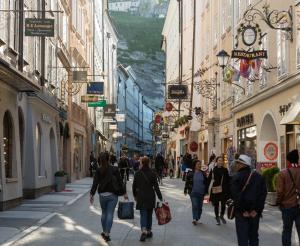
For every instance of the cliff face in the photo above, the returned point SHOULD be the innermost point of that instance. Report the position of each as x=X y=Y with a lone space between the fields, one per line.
x=139 y=47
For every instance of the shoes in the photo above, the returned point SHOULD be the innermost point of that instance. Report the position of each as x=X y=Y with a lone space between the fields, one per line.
x=223 y=220
x=194 y=222
x=149 y=234
x=105 y=237
x=143 y=237
x=218 y=221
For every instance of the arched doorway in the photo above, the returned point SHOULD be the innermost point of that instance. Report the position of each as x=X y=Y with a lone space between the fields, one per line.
x=21 y=137
x=268 y=142
x=53 y=158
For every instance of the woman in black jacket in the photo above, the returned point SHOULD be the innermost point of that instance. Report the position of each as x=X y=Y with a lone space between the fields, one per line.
x=144 y=185
x=107 y=181
x=219 y=189
x=196 y=186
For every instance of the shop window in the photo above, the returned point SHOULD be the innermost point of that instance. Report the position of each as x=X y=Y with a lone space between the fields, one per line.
x=247 y=142
x=8 y=144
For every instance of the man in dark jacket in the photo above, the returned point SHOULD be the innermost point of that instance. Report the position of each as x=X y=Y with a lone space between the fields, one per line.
x=288 y=197
x=248 y=190
x=159 y=165
x=123 y=166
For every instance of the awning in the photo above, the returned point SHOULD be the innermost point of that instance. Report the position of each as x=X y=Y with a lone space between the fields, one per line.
x=13 y=77
x=292 y=117
x=101 y=135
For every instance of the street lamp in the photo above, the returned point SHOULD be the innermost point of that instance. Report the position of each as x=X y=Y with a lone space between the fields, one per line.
x=223 y=58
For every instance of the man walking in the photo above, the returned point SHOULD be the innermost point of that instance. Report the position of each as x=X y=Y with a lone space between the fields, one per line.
x=248 y=189
x=288 y=191
x=124 y=167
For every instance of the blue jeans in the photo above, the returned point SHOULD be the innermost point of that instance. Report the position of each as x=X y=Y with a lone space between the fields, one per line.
x=108 y=205
x=146 y=219
x=197 y=204
x=289 y=215
x=247 y=230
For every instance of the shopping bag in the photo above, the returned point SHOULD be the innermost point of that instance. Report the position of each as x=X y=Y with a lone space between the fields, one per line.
x=163 y=213
x=126 y=210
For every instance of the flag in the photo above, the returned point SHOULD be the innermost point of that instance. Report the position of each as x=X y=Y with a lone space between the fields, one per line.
x=236 y=75
x=228 y=73
x=245 y=68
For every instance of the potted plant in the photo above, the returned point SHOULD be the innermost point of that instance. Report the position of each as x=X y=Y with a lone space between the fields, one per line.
x=270 y=175
x=60 y=180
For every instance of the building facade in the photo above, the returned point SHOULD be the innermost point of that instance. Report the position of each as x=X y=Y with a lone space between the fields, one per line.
x=260 y=119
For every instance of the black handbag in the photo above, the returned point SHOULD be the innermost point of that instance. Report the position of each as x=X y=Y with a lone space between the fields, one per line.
x=126 y=210
x=230 y=203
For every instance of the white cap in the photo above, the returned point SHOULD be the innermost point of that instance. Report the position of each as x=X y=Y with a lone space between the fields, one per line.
x=244 y=159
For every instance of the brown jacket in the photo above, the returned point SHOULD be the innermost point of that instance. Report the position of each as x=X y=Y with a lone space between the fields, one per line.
x=286 y=194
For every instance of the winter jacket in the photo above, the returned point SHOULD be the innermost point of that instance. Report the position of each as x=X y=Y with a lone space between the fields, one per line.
x=159 y=163
x=216 y=174
x=190 y=182
x=286 y=193
x=144 y=188
x=253 y=197
x=123 y=163
x=103 y=181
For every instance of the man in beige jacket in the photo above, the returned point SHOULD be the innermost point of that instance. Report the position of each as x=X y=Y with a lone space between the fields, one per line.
x=288 y=191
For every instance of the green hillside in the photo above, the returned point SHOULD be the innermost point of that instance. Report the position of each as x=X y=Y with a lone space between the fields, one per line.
x=141 y=33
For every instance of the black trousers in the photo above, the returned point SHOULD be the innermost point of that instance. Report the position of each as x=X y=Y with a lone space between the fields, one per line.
x=217 y=208
x=247 y=230
x=122 y=172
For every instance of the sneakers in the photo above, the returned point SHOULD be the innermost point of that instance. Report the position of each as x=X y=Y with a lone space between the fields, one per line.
x=218 y=221
x=223 y=220
x=143 y=237
x=194 y=222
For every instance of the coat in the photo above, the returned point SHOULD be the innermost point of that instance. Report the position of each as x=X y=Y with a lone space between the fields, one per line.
x=189 y=183
x=144 y=188
x=253 y=197
x=217 y=173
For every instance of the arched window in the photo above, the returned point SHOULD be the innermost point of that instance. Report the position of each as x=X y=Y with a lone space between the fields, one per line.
x=8 y=144
x=38 y=147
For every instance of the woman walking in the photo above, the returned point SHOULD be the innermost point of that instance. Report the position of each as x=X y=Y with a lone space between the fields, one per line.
x=196 y=186
x=108 y=182
x=144 y=185
x=219 y=192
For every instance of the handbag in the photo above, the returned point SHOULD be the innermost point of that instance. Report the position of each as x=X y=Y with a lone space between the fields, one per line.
x=163 y=213
x=217 y=189
x=126 y=210
x=295 y=187
x=230 y=203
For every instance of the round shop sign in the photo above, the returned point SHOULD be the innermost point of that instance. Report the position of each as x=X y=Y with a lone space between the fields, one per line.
x=169 y=106
x=271 y=151
x=193 y=146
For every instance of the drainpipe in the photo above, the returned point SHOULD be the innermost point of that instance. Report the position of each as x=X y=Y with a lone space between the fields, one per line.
x=193 y=58
x=43 y=47
x=21 y=36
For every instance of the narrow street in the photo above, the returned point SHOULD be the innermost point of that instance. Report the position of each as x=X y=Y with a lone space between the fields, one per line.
x=80 y=225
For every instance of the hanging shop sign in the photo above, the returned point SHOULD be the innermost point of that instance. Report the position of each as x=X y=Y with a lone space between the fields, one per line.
x=120 y=117
x=113 y=127
x=260 y=166
x=245 y=120
x=271 y=151
x=249 y=55
x=79 y=76
x=100 y=104
x=95 y=88
x=108 y=120
x=169 y=106
x=177 y=91
x=193 y=146
x=109 y=110
x=89 y=98
x=165 y=135
x=39 y=27
x=158 y=119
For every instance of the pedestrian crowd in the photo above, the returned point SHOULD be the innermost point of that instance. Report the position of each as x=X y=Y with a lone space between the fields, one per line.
x=241 y=190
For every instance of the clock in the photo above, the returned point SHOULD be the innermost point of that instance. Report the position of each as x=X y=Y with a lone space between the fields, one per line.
x=249 y=35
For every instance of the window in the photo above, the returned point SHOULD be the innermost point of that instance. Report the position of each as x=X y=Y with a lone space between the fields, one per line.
x=74 y=13
x=263 y=75
x=8 y=144
x=38 y=147
x=282 y=49
x=298 y=34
